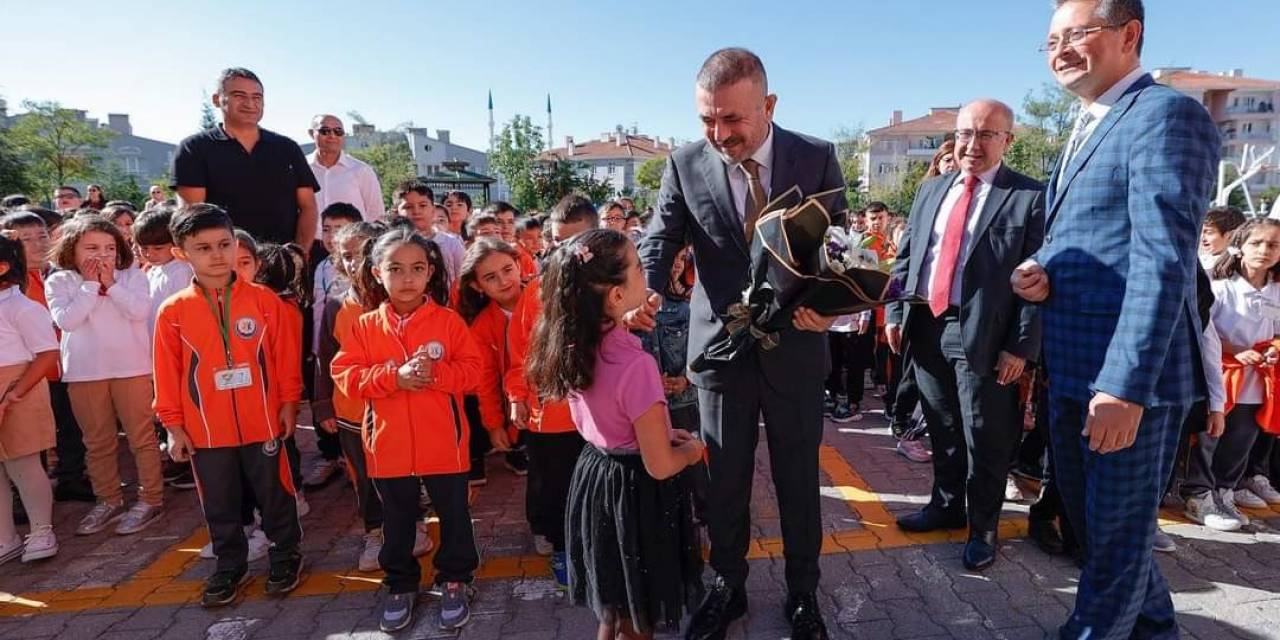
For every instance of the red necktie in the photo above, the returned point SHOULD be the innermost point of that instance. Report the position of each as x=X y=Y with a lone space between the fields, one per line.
x=945 y=271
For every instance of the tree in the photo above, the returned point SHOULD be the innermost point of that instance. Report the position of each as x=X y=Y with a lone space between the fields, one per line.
x=118 y=184
x=58 y=144
x=391 y=161
x=554 y=180
x=850 y=145
x=14 y=175
x=208 y=119
x=900 y=198
x=515 y=158
x=649 y=175
x=1039 y=142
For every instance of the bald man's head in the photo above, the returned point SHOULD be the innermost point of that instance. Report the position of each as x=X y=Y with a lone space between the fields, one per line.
x=984 y=131
x=328 y=134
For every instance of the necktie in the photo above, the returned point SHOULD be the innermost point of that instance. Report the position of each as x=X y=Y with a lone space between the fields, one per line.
x=944 y=272
x=1078 y=136
x=756 y=198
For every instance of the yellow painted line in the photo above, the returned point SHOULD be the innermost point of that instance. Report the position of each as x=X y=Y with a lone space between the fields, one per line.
x=158 y=583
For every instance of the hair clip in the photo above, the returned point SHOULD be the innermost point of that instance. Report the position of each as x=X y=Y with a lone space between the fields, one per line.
x=584 y=254
x=1235 y=251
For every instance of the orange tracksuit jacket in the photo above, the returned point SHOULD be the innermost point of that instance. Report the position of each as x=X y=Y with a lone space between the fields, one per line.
x=552 y=417
x=1233 y=373
x=411 y=433
x=489 y=329
x=264 y=336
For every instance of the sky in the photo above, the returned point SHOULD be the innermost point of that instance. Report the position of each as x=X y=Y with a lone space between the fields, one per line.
x=833 y=63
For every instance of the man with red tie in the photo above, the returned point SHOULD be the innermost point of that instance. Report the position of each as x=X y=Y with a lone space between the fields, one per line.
x=968 y=230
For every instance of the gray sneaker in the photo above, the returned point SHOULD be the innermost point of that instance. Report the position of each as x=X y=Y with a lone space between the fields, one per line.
x=1203 y=509
x=99 y=517
x=1164 y=542
x=454 y=608
x=1227 y=505
x=139 y=517
x=397 y=611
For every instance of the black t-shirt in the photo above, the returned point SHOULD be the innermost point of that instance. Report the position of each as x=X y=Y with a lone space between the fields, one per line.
x=258 y=189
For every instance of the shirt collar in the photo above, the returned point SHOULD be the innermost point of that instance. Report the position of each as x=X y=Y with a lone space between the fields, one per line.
x=344 y=159
x=986 y=177
x=9 y=293
x=764 y=155
x=1102 y=106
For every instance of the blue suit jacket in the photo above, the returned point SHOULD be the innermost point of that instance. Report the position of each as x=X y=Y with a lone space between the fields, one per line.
x=695 y=206
x=1122 y=228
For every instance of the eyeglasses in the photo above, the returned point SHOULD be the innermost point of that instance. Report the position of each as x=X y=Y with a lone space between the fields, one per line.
x=614 y=218
x=331 y=131
x=984 y=135
x=1073 y=37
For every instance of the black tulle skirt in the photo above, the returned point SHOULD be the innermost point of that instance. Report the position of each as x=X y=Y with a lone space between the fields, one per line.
x=633 y=550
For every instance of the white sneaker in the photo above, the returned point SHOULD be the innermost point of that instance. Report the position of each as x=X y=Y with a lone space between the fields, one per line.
x=303 y=507
x=259 y=545
x=1227 y=504
x=1204 y=510
x=422 y=542
x=1261 y=487
x=41 y=544
x=11 y=549
x=542 y=546
x=1247 y=498
x=372 y=547
x=1011 y=491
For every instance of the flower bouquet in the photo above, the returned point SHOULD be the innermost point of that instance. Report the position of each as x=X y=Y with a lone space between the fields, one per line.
x=799 y=258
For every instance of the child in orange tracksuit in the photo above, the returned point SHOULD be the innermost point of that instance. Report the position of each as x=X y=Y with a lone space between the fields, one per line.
x=551 y=440
x=228 y=383
x=411 y=360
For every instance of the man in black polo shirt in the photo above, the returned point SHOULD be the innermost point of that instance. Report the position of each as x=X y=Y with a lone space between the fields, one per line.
x=261 y=178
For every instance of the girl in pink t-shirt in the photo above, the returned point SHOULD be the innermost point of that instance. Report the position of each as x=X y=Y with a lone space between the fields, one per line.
x=634 y=555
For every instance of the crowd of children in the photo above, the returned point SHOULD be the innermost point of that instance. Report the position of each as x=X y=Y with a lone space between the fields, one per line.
x=431 y=340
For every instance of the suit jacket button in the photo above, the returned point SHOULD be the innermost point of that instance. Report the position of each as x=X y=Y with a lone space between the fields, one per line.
x=1048 y=238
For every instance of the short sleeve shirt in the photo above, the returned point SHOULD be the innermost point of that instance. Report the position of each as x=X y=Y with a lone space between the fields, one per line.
x=26 y=328
x=625 y=384
x=258 y=188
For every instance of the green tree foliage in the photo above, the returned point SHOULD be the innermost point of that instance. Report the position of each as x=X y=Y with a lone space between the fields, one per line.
x=118 y=184
x=900 y=198
x=515 y=158
x=57 y=145
x=850 y=145
x=14 y=175
x=392 y=162
x=649 y=175
x=554 y=180
x=208 y=119
x=1046 y=128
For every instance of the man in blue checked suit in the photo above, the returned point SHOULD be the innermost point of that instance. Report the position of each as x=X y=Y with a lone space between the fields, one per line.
x=1115 y=279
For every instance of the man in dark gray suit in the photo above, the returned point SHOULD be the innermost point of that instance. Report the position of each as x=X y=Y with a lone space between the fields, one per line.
x=712 y=193
x=968 y=230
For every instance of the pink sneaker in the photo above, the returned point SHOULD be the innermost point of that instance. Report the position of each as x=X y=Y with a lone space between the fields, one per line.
x=913 y=450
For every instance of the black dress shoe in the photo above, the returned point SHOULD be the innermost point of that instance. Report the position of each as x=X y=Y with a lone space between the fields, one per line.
x=931 y=519
x=980 y=551
x=1046 y=536
x=77 y=489
x=722 y=605
x=805 y=618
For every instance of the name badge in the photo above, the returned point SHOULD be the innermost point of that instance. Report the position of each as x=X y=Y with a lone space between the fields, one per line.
x=237 y=377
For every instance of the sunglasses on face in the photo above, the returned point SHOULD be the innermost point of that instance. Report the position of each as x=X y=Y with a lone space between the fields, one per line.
x=331 y=131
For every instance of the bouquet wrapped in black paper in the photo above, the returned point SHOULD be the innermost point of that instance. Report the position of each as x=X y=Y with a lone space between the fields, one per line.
x=798 y=258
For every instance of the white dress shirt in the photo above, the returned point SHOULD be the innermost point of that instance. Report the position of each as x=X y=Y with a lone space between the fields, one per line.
x=349 y=180
x=929 y=265
x=738 y=176
x=1099 y=109
x=1245 y=316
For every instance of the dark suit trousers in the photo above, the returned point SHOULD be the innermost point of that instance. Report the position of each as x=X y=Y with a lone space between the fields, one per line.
x=973 y=421
x=793 y=431
x=1112 y=501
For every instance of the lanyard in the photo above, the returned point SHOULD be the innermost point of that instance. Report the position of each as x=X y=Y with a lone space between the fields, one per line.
x=224 y=318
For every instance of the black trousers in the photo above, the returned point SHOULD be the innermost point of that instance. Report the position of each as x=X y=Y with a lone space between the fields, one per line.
x=902 y=407
x=1048 y=507
x=851 y=356
x=329 y=444
x=69 y=438
x=1260 y=455
x=367 y=502
x=456 y=559
x=890 y=368
x=974 y=423
x=695 y=477
x=1220 y=463
x=222 y=475
x=552 y=457
x=479 y=444
x=793 y=430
